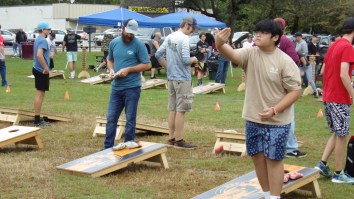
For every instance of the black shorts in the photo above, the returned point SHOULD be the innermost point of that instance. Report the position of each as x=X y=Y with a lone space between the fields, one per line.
x=41 y=81
x=154 y=62
x=51 y=66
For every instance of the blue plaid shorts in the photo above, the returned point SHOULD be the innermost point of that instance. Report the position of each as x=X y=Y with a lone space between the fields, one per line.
x=269 y=139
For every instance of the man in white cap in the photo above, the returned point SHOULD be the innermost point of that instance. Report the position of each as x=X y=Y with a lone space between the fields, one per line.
x=127 y=57
x=180 y=95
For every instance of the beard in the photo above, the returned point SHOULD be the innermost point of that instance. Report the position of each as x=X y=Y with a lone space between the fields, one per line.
x=127 y=39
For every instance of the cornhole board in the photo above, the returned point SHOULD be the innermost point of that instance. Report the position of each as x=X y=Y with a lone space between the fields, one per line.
x=247 y=186
x=100 y=128
x=14 y=115
x=53 y=74
x=107 y=161
x=209 y=88
x=153 y=83
x=98 y=79
x=20 y=135
x=231 y=141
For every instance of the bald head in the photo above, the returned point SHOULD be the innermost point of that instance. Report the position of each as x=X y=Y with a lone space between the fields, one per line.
x=158 y=35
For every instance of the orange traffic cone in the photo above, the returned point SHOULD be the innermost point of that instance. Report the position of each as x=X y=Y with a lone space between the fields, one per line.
x=217 y=107
x=319 y=113
x=8 y=89
x=66 y=96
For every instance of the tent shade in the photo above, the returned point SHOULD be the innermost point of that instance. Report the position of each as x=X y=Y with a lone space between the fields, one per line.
x=112 y=17
x=174 y=20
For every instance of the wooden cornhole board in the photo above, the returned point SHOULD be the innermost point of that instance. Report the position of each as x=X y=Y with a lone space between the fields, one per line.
x=97 y=79
x=107 y=161
x=20 y=135
x=100 y=128
x=247 y=186
x=208 y=88
x=14 y=115
x=153 y=83
x=53 y=74
x=231 y=140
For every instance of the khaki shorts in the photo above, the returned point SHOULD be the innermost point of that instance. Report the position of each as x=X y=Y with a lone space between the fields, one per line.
x=180 y=96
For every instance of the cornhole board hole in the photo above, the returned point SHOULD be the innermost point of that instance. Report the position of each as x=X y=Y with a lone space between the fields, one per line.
x=247 y=186
x=153 y=83
x=20 y=135
x=98 y=79
x=53 y=74
x=209 y=88
x=100 y=128
x=107 y=161
x=15 y=115
x=231 y=140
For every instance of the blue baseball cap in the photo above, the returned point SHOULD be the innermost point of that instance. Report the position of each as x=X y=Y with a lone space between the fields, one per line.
x=43 y=25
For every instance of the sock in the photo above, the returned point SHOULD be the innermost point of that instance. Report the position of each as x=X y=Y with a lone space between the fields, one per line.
x=274 y=197
x=73 y=74
x=338 y=172
x=266 y=195
x=37 y=118
x=324 y=162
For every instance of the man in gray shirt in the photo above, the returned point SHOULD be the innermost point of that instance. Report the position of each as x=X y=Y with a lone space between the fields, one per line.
x=180 y=95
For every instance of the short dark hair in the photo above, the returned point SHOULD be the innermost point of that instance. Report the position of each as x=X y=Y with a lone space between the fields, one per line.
x=201 y=34
x=271 y=26
x=348 y=26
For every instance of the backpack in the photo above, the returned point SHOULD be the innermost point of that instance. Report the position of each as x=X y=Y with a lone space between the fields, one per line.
x=349 y=166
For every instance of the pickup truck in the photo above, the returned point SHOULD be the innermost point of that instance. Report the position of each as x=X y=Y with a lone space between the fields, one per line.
x=147 y=34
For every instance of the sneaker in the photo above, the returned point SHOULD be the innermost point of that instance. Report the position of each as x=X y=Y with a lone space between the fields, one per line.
x=171 y=142
x=324 y=170
x=296 y=154
x=342 y=178
x=132 y=144
x=42 y=123
x=182 y=144
x=154 y=77
x=119 y=146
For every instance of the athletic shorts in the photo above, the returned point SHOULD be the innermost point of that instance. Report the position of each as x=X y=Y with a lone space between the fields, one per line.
x=338 y=118
x=51 y=65
x=180 y=96
x=71 y=56
x=41 y=81
x=269 y=139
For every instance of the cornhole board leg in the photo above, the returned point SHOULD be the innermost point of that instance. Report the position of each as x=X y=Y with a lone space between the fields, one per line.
x=6 y=117
x=31 y=141
x=20 y=135
x=159 y=159
x=233 y=142
x=101 y=130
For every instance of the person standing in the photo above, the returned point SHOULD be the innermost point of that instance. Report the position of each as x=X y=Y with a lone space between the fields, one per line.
x=223 y=66
x=2 y=62
x=249 y=42
x=70 y=41
x=203 y=50
x=287 y=46
x=314 y=49
x=180 y=95
x=273 y=85
x=338 y=96
x=40 y=70
x=156 y=43
x=127 y=58
x=20 y=37
x=52 y=49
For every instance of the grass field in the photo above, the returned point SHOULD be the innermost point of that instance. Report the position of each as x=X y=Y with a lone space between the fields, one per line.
x=30 y=173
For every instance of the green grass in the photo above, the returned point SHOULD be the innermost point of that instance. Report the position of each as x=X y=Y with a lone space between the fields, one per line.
x=29 y=173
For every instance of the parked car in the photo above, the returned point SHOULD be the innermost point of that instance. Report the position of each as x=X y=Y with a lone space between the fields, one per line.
x=59 y=36
x=239 y=38
x=193 y=40
x=9 y=37
x=98 y=38
x=324 y=40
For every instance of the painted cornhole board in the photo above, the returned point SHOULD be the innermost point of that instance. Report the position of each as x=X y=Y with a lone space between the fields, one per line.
x=97 y=79
x=20 y=135
x=153 y=83
x=247 y=186
x=14 y=115
x=209 y=88
x=53 y=74
x=107 y=161
x=100 y=128
x=231 y=141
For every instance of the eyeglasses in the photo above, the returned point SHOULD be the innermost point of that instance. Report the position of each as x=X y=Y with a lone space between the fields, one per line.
x=47 y=29
x=260 y=33
x=190 y=25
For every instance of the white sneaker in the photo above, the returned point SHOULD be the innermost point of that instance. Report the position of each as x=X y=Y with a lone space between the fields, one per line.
x=119 y=146
x=132 y=144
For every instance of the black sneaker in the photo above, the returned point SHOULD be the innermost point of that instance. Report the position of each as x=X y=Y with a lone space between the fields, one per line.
x=154 y=77
x=181 y=144
x=42 y=123
x=296 y=154
x=171 y=142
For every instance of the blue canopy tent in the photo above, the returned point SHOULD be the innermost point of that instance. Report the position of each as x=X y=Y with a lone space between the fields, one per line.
x=174 y=20
x=113 y=17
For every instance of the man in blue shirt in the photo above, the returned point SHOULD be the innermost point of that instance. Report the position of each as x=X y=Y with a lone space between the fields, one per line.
x=127 y=57
x=40 y=71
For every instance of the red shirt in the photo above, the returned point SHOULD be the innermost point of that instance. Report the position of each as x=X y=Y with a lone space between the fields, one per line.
x=1 y=40
x=333 y=88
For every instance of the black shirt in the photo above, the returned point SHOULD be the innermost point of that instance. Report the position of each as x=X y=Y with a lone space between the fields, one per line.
x=71 y=42
x=200 y=46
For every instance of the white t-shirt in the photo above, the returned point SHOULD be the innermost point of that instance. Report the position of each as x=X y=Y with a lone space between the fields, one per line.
x=51 y=46
x=247 y=44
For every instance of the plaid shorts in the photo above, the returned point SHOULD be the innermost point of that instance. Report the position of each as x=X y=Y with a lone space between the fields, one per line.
x=269 y=139
x=338 y=118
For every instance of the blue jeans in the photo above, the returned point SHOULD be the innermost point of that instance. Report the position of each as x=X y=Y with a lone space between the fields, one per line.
x=127 y=99
x=222 y=72
x=291 y=144
x=3 y=73
x=20 y=50
x=14 y=48
x=308 y=73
